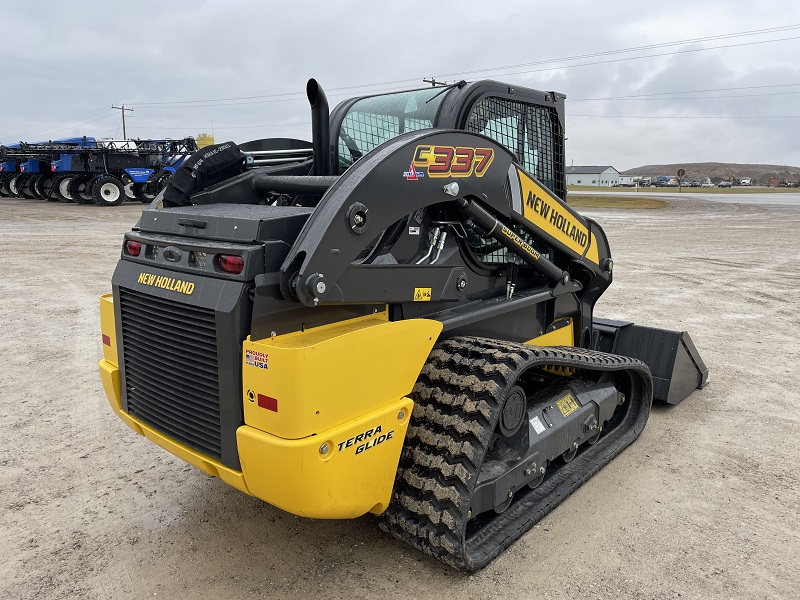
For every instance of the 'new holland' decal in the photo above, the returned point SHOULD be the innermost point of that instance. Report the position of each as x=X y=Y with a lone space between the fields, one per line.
x=166 y=283
x=549 y=215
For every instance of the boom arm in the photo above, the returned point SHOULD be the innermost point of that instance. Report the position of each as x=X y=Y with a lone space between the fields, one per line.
x=415 y=171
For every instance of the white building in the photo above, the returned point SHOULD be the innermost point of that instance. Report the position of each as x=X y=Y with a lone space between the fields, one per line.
x=596 y=175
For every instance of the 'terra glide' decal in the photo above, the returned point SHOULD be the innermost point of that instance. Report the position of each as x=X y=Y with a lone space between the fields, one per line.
x=447 y=161
x=370 y=439
x=166 y=283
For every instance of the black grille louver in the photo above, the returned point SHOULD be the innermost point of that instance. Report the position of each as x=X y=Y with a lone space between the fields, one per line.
x=171 y=369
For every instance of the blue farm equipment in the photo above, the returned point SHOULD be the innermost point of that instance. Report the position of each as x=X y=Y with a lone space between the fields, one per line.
x=9 y=174
x=164 y=156
x=87 y=170
x=97 y=171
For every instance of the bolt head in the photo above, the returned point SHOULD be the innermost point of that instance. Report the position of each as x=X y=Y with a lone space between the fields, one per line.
x=510 y=494
x=321 y=287
x=541 y=470
x=451 y=189
x=401 y=415
x=324 y=449
x=528 y=471
x=358 y=219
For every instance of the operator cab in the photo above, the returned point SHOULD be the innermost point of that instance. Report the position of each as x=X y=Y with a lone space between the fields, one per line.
x=528 y=123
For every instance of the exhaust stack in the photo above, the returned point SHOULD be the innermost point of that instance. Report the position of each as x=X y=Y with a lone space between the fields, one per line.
x=320 y=127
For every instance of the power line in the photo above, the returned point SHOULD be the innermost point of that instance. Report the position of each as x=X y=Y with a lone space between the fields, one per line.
x=688 y=117
x=730 y=89
x=639 y=48
x=771 y=94
x=298 y=96
x=49 y=127
x=616 y=60
x=262 y=99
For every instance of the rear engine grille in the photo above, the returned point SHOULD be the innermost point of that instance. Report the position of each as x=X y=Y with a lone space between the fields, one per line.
x=171 y=375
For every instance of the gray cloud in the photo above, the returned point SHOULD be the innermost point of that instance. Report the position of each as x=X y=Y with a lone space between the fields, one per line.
x=74 y=60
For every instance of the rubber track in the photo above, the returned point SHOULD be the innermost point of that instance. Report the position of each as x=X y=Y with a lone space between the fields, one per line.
x=457 y=398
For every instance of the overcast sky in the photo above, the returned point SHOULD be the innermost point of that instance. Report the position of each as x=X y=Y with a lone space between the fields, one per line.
x=239 y=68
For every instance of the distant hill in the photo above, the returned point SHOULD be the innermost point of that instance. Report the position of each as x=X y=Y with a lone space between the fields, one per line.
x=715 y=170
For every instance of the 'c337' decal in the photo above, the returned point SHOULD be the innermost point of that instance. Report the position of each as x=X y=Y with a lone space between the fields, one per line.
x=166 y=283
x=449 y=161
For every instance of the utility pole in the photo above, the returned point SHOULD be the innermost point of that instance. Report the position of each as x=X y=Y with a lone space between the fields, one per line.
x=123 y=109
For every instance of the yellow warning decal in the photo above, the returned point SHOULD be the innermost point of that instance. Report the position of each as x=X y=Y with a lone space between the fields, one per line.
x=554 y=218
x=422 y=294
x=567 y=405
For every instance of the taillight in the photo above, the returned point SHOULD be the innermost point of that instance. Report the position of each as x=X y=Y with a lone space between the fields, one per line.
x=133 y=248
x=53 y=168
x=230 y=264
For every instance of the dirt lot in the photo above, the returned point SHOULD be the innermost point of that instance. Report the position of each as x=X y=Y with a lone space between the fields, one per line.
x=705 y=505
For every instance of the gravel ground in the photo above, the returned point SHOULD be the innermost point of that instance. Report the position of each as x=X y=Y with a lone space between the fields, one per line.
x=706 y=504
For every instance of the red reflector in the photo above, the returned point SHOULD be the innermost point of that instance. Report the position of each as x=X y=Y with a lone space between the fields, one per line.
x=106 y=340
x=268 y=403
x=230 y=264
x=133 y=248
x=53 y=168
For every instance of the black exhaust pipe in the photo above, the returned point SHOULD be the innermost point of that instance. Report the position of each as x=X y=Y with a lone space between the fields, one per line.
x=320 y=127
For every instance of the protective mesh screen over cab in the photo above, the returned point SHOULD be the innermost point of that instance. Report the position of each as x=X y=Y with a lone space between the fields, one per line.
x=531 y=132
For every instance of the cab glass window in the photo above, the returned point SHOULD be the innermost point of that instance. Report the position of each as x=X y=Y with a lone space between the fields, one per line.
x=377 y=119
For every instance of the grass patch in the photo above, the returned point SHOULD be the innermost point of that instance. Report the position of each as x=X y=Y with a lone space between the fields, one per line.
x=588 y=201
x=580 y=189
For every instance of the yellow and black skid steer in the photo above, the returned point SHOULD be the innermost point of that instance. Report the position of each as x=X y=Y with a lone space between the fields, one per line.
x=395 y=318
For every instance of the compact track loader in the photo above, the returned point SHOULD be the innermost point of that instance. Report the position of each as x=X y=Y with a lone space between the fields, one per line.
x=401 y=325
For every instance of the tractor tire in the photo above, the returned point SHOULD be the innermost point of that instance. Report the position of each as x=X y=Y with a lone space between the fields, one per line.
x=23 y=188
x=108 y=191
x=159 y=183
x=142 y=193
x=129 y=187
x=5 y=192
x=79 y=190
x=30 y=187
x=20 y=183
x=42 y=186
x=52 y=193
x=64 y=185
x=15 y=185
